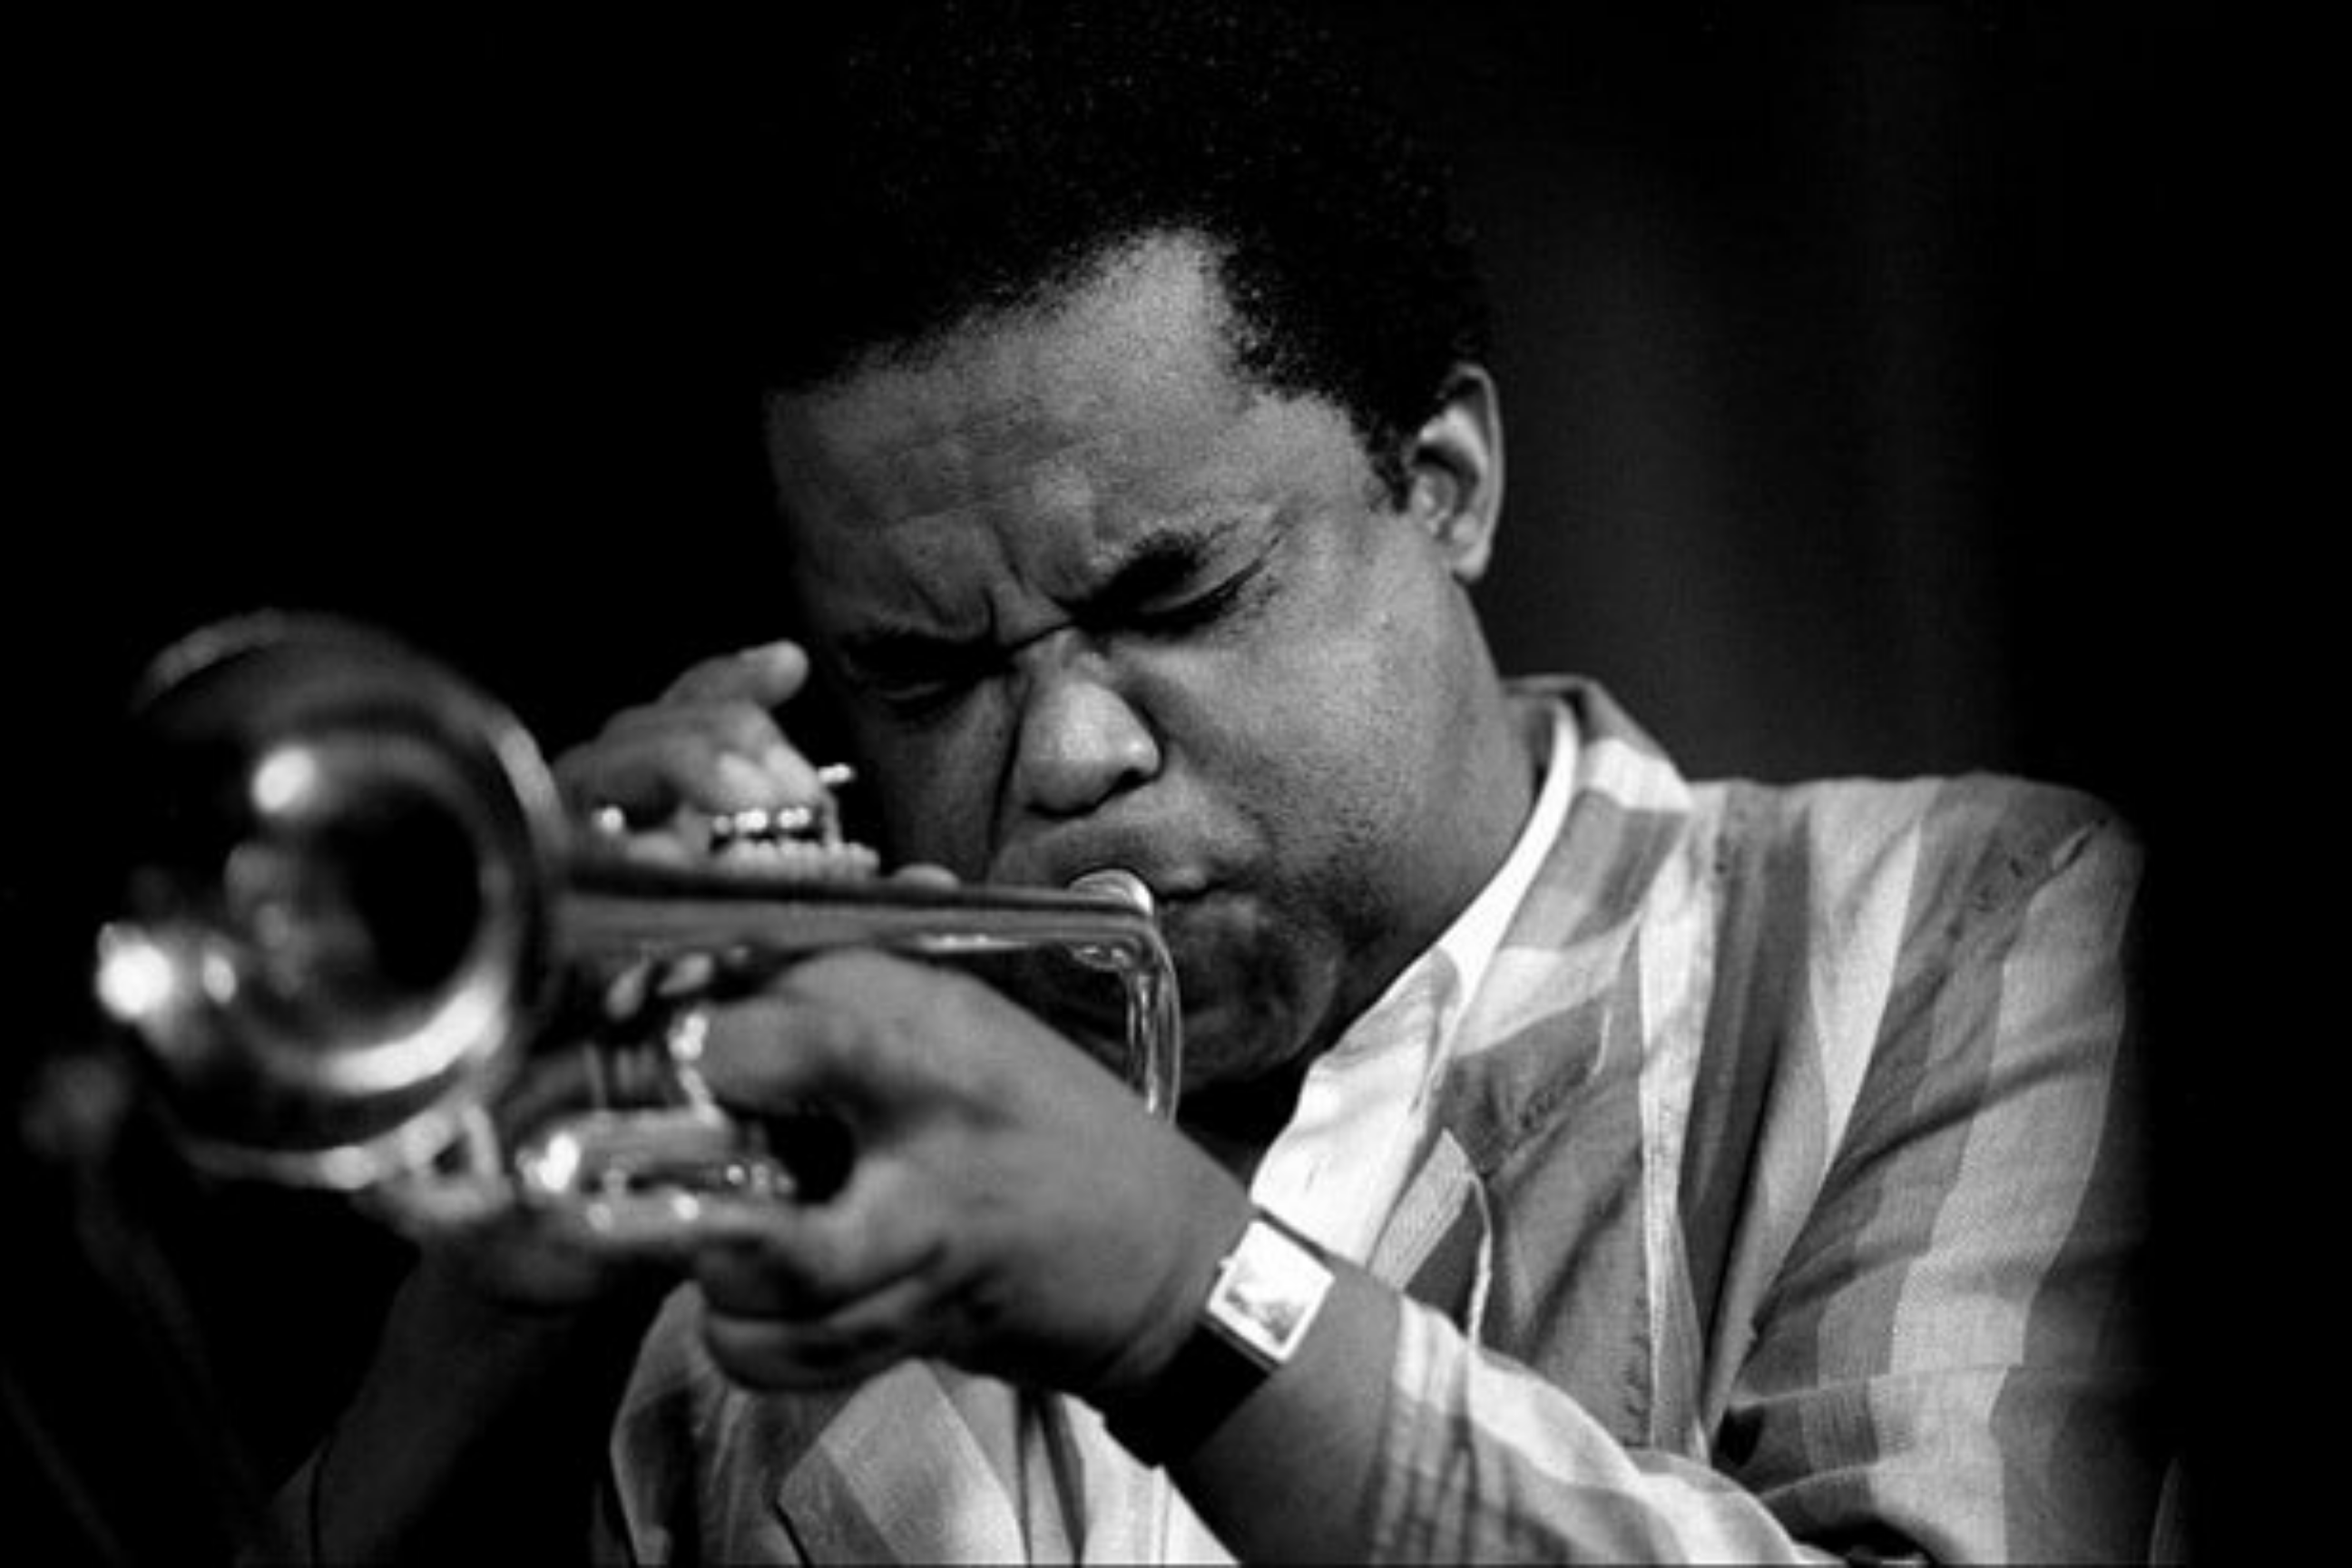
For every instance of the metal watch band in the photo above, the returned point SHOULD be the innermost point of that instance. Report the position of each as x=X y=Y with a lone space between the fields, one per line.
x=1267 y=1291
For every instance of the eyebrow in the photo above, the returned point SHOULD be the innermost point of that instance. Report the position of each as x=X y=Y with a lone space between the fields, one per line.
x=1160 y=564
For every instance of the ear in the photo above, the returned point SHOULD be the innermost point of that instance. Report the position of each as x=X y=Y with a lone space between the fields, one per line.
x=1454 y=467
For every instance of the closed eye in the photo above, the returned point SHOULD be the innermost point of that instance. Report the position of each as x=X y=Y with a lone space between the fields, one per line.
x=1155 y=594
x=1200 y=610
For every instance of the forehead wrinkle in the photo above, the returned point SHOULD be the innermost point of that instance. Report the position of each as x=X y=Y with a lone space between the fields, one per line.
x=1017 y=609
x=1106 y=569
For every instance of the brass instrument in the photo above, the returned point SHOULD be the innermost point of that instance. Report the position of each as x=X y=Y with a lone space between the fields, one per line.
x=359 y=898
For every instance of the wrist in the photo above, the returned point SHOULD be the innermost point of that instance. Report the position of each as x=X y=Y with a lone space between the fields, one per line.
x=1142 y=1355
x=1263 y=1299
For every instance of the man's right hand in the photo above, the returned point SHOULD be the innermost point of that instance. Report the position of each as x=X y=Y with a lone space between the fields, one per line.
x=709 y=744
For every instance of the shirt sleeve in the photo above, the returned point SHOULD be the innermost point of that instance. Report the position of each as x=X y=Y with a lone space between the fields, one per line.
x=1949 y=1363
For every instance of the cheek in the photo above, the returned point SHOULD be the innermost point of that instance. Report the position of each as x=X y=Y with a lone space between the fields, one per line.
x=1351 y=748
x=1326 y=762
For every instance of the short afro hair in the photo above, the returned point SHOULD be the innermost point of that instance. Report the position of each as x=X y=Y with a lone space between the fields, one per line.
x=946 y=160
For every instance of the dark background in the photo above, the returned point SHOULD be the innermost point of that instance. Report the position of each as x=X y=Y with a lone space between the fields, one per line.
x=1870 y=377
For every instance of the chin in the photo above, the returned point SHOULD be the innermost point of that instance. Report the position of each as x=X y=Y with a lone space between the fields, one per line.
x=1242 y=1018
x=1242 y=1002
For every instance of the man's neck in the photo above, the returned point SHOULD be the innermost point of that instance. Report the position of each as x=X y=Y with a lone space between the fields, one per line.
x=1237 y=1123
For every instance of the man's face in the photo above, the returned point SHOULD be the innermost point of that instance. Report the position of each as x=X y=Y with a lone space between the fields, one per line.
x=1091 y=597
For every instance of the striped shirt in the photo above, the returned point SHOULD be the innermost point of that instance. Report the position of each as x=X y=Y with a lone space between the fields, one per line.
x=1783 y=1196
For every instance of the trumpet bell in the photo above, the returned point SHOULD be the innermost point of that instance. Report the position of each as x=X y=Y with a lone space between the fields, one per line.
x=337 y=924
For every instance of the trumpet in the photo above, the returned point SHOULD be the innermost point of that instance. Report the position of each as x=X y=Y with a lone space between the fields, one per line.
x=356 y=898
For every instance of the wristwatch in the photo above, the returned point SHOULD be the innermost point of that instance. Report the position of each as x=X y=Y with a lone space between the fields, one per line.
x=1267 y=1291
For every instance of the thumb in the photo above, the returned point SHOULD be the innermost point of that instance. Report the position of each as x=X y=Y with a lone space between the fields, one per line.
x=775 y=1053
x=782 y=1067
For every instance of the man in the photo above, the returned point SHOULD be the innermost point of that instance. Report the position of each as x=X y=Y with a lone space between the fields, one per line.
x=1574 y=1161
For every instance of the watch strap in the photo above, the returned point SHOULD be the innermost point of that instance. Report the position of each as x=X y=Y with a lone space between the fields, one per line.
x=1267 y=1293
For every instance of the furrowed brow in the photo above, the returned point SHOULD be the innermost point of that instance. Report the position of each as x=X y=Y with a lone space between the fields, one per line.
x=1162 y=564
x=1158 y=565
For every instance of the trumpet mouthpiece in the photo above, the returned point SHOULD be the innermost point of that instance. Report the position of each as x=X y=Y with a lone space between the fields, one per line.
x=1116 y=882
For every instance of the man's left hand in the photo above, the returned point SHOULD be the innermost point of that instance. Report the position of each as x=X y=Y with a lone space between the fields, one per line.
x=1011 y=1209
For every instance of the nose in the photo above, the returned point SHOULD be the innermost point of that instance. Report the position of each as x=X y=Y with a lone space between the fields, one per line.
x=1082 y=741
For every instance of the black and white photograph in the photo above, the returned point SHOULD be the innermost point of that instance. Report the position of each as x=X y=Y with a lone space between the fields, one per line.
x=735 y=740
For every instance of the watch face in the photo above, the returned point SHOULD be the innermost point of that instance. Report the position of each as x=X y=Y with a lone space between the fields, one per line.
x=1268 y=1294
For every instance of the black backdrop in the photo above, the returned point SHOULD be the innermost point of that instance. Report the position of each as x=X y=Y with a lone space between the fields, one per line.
x=1866 y=372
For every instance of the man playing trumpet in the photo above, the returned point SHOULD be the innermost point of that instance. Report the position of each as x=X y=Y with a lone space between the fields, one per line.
x=1573 y=1160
